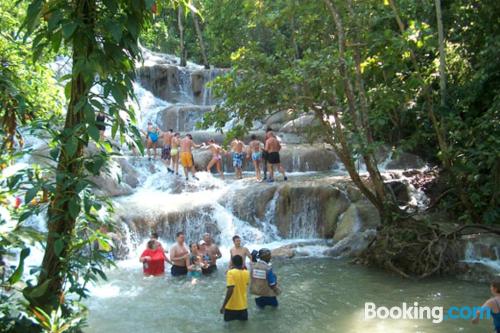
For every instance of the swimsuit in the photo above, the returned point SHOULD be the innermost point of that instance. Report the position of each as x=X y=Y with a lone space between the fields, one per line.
x=217 y=157
x=256 y=156
x=174 y=151
x=165 y=152
x=153 y=136
x=186 y=159
x=238 y=160
x=273 y=158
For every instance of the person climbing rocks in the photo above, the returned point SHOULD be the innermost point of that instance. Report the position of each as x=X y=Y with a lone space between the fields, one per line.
x=153 y=259
x=216 y=160
x=239 y=250
x=235 y=302
x=273 y=148
x=152 y=135
x=492 y=305
x=238 y=155
x=186 y=155
x=264 y=282
x=255 y=153
x=174 y=152
x=167 y=148
x=179 y=255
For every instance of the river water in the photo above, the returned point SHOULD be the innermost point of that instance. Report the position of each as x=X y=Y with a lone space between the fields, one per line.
x=319 y=295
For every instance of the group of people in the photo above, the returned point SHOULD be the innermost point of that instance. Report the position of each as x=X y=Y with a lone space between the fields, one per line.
x=201 y=259
x=175 y=150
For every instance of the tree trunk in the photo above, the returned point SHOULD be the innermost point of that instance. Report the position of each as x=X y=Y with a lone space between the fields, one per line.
x=200 y=39
x=180 y=18
x=61 y=212
x=442 y=53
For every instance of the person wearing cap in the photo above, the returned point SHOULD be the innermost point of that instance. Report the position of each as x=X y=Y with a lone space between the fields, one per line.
x=264 y=282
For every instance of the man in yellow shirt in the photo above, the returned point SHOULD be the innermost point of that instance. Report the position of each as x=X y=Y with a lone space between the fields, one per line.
x=235 y=304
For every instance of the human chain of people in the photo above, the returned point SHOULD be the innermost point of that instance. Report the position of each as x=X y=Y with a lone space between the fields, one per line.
x=177 y=150
x=245 y=270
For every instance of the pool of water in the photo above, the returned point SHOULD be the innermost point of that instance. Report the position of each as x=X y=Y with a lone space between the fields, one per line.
x=319 y=295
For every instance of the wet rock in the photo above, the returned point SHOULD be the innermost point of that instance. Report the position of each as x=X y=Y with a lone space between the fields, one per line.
x=360 y=216
x=476 y=271
x=181 y=118
x=300 y=124
x=252 y=204
x=352 y=245
x=129 y=174
x=284 y=252
x=400 y=191
x=111 y=186
x=163 y=80
x=405 y=161
x=197 y=82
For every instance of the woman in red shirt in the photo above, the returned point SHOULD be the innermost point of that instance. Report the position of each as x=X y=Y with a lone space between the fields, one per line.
x=153 y=259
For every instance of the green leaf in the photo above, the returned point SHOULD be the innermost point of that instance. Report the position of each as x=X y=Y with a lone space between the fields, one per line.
x=58 y=246
x=116 y=32
x=18 y=273
x=71 y=146
x=30 y=194
x=93 y=132
x=69 y=29
x=74 y=207
x=38 y=290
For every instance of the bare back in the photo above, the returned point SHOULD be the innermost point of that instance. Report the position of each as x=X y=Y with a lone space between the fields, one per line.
x=186 y=145
x=167 y=138
x=255 y=146
x=273 y=145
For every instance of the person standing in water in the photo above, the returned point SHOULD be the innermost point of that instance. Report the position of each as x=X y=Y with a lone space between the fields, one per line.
x=153 y=259
x=273 y=148
x=236 y=303
x=491 y=306
x=179 y=256
x=186 y=156
x=216 y=160
x=174 y=152
x=264 y=282
x=237 y=147
x=255 y=152
x=167 y=148
x=213 y=253
x=152 y=134
x=196 y=263
x=239 y=250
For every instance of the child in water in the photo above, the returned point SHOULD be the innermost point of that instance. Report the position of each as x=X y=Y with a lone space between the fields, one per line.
x=493 y=305
x=194 y=268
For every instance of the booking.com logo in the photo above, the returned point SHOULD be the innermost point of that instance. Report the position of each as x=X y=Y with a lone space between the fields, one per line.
x=416 y=312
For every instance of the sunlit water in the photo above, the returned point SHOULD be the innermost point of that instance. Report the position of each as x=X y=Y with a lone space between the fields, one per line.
x=319 y=295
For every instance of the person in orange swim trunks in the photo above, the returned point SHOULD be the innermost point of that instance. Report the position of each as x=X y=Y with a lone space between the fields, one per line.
x=186 y=155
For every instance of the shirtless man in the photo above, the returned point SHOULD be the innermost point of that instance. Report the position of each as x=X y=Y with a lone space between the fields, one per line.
x=186 y=155
x=239 y=250
x=255 y=152
x=237 y=147
x=213 y=253
x=179 y=255
x=167 y=147
x=174 y=152
x=273 y=148
x=269 y=131
x=216 y=160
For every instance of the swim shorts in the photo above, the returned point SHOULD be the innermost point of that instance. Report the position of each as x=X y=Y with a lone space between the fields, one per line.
x=273 y=158
x=178 y=270
x=256 y=156
x=230 y=315
x=165 y=152
x=186 y=159
x=209 y=270
x=238 y=160
x=174 y=152
x=266 y=300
